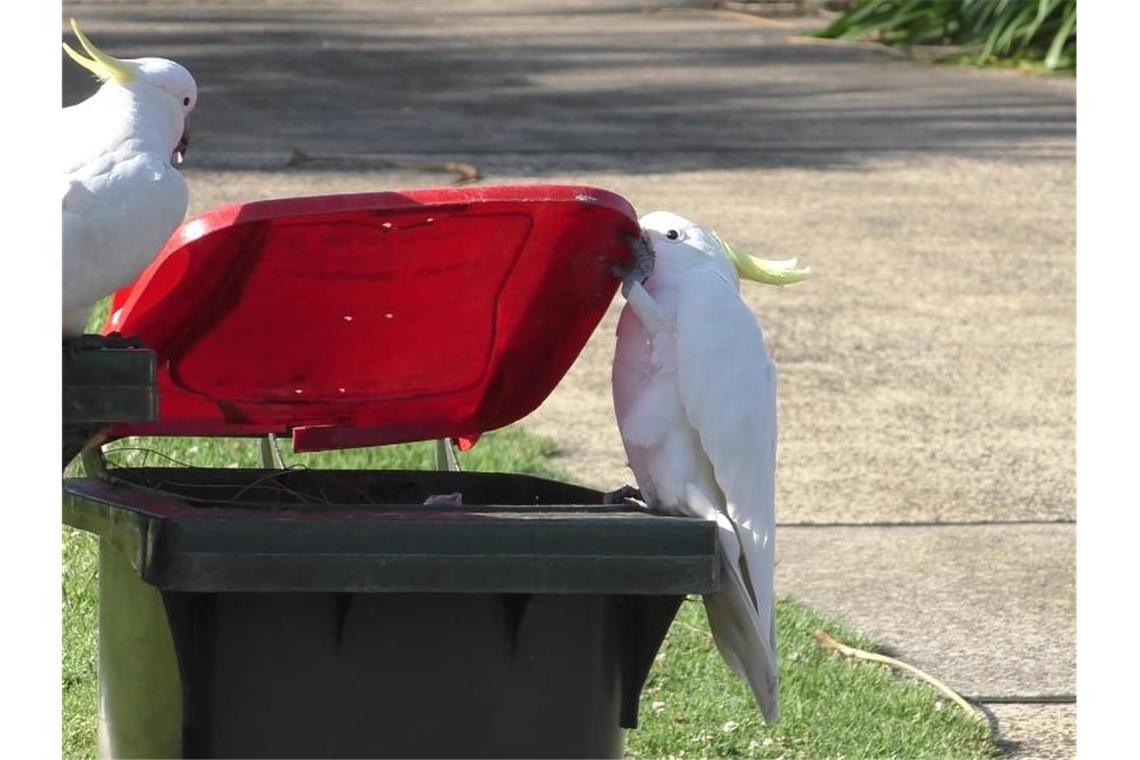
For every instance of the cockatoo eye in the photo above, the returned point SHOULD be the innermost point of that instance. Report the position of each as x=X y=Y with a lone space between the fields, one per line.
x=672 y=234
x=185 y=101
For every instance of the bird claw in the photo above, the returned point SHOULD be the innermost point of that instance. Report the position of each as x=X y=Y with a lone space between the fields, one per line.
x=76 y=344
x=642 y=267
x=94 y=341
x=621 y=495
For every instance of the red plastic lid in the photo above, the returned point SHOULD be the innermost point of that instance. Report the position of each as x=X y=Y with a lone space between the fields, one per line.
x=361 y=320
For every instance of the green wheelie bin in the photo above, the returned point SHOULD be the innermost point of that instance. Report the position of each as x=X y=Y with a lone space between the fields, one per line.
x=295 y=612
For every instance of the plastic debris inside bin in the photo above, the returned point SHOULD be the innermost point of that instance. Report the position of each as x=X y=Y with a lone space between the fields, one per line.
x=362 y=320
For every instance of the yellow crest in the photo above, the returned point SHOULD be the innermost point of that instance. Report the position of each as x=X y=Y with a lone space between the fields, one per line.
x=766 y=271
x=103 y=66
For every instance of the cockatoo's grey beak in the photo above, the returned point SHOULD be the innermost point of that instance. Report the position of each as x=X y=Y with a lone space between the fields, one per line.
x=183 y=144
x=642 y=267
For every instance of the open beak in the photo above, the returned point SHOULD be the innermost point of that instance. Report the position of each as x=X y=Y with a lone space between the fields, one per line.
x=183 y=144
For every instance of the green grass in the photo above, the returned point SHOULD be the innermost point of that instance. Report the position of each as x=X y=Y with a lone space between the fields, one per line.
x=509 y=450
x=692 y=705
x=80 y=644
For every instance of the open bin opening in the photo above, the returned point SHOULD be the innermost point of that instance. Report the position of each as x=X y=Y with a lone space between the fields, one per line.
x=328 y=490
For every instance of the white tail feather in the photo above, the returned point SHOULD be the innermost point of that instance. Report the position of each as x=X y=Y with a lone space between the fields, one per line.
x=743 y=640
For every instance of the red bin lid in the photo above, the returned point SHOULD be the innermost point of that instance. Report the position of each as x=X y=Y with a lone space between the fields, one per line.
x=361 y=320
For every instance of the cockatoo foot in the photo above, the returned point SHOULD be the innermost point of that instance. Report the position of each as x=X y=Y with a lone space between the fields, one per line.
x=74 y=344
x=94 y=342
x=642 y=267
x=621 y=495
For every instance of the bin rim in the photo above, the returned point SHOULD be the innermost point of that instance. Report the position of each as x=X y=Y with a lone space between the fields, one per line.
x=563 y=539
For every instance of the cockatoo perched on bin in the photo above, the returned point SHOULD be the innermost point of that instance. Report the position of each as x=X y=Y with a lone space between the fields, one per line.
x=695 y=397
x=121 y=197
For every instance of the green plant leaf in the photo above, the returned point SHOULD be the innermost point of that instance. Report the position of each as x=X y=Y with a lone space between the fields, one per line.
x=1060 y=41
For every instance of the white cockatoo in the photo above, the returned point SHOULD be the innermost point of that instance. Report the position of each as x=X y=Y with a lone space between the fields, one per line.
x=121 y=197
x=695 y=396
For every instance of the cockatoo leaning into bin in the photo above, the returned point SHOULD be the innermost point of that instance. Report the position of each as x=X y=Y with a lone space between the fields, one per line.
x=695 y=396
x=122 y=197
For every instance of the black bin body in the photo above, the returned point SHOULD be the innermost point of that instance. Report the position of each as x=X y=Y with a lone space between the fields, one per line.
x=301 y=613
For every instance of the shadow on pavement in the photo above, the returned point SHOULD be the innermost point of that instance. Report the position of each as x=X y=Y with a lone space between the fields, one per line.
x=575 y=83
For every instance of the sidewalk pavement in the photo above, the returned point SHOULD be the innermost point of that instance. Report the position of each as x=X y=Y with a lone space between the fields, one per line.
x=988 y=609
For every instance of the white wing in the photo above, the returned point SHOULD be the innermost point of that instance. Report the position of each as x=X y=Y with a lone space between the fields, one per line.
x=727 y=385
x=118 y=210
x=91 y=128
